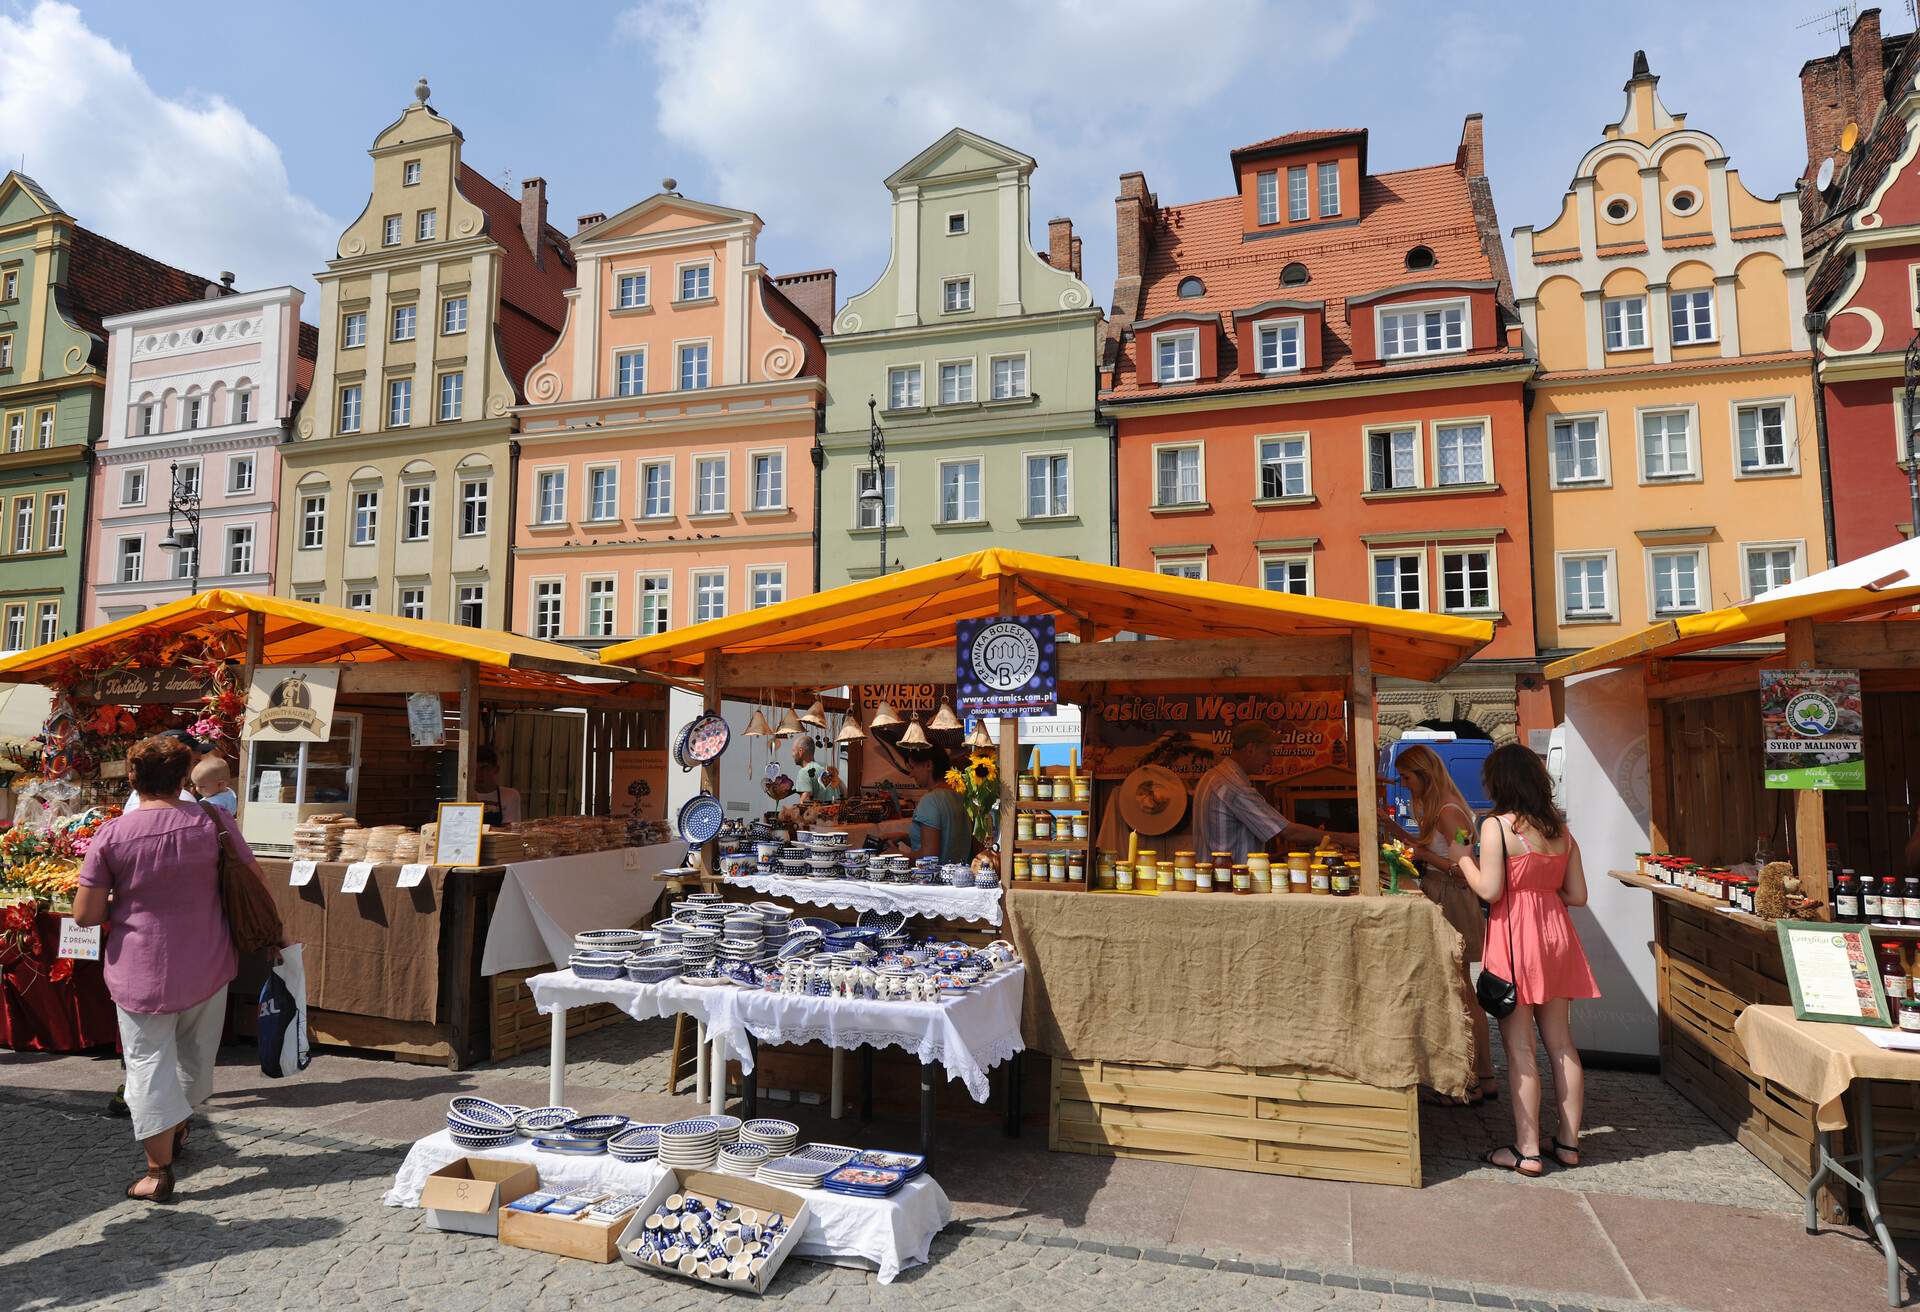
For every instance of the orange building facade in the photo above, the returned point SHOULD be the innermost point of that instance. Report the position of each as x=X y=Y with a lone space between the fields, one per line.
x=1318 y=388
x=665 y=473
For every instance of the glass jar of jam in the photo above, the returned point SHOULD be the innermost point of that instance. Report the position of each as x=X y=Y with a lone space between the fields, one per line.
x=1846 y=898
x=1342 y=877
x=1893 y=971
x=1893 y=902
x=1910 y=1015
x=1869 y=899
x=1910 y=887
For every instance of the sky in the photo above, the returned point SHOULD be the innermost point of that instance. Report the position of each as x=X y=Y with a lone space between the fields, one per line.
x=233 y=136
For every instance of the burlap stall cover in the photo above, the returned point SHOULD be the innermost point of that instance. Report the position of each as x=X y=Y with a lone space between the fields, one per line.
x=1365 y=988
x=374 y=953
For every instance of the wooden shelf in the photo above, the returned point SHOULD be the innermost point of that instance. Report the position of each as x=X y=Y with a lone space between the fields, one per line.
x=1049 y=845
x=1759 y=923
x=1053 y=806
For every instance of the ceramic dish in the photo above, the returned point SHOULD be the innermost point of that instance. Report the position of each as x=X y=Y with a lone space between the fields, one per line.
x=561 y=1143
x=543 y=1120
x=703 y=740
x=480 y=1112
x=600 y=1126
x=700 y=818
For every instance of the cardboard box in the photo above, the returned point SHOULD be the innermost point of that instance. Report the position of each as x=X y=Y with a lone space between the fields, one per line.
x=466 y=1196
x=581 y=1236
x=707 y=1186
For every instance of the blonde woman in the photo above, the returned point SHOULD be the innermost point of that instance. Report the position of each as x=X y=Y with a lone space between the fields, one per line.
x=1443 y=834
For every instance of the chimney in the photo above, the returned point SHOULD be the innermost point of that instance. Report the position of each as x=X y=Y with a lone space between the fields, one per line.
x=1133 y=213
x=1848 y=86
x=1060 y=243
x=1471 y=159
x=586 y=221
x=812 y=294
x=533 y=215
x=1076 y=257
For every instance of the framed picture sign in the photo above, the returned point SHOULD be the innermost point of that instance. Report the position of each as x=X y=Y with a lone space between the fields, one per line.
x=1832 y=972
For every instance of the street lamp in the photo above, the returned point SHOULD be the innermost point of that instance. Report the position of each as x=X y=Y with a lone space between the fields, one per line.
x=876 y=494
x=183 y=503
x=1912 y=371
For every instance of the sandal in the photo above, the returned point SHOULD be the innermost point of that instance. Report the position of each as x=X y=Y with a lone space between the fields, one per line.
x=1519 y=1164
x=1561 y=1151
x=162 y=1176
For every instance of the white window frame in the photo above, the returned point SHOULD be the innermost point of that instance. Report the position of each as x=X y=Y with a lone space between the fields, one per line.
x=1713 y=316
x=426 y=225
x=1444 y=549
x=1695 y=473
x=121 y=557
x=1266 y=197
x=620 y=382
x=540 y=517
x=1419 y=431
x=399 y=402
x=450 y=396
x=484 y=501
x=372 y=537
x=453 y=316
x=1625 y=343
x=410 y=173
x=16 y=625
x=1200 y=448
x=392 y=229
x=1176 y=566
x=640 y=488
x=460 y=600
x=980 y=483
x=956 y=294
x=313 y=533
x=917 y=398
x=409 y=311
x=588 y=510
x=1703 y=586
x=725 y=460
x=1175 y=375
x=680 y=272
x=960 y=231
x=1287 y=558
x=1382 y=313
x=1299 y=199
x=1260 y=466
x=53 y=522
x=233 y=543
x=639 y=281
x=353 y=330
x=754 y=573
x=1026 y=483
x=1610 y=580
x=43 y=632
x=1026 y=377
x=940 y=368
x=234 y=465
x=536 y=595
x=779 y=457
x=611 y=611
x=240 y=407
x=1789 y=432
x=680 y=350
x=360 y=599
x=889 y=473
x=694 y=576
x=400 y=605
x=407 y=506
x=1325 y=171
x=129 y=475
x=640 y=595
x=1399 y=551
x=1797 y=546
x=1558 y=479
x=189 y=478
x=1485 y=425
x=1278 y=328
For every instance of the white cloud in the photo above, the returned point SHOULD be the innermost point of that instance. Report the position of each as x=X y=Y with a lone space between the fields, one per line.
x=798 y=110
x=192 y=183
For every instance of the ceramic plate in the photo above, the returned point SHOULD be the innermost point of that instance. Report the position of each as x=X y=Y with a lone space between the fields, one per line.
x=700 y=818
x=481 y=1112
x=704 y=739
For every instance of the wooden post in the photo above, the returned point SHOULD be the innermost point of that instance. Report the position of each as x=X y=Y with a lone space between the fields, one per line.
x=1809 y=804
x=1366 y=765
x=712 y=693
x=256 y=643
x=1009 y=755
x=1658 y=797
x=469 y=727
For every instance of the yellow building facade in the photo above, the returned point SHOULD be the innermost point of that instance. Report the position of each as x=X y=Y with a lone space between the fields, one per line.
x=1672 y=449
x=396 y=490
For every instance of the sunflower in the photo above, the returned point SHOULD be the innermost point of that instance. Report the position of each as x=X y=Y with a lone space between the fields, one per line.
x=956 y=781
x=984 y=767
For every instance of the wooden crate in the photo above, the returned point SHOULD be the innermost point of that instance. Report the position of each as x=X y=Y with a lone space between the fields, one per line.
x=518 y=1026
x=1273 y=1120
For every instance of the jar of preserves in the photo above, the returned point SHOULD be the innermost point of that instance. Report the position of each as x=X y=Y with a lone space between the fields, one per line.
x=1203 y=877
x=1165 y=877
x=1123 y=875
x=1023 y=826
x=1076 y=867
x=1320 y=878
x=1043 y=788
x=1027 y=793
x=1083 y=788
x=1893 y=902
x=1022 y=866
x=1299 y=878
x=1057 y=867
x=1080 y=826
x=1342 y=877
x=1846 y=897
x=1869 y=899
x=1043 y=826
x=1910 y=1015
x=1244 y=882
x=1893 y=970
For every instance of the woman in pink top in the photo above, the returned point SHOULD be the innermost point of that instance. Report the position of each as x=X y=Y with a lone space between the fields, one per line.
x=153 y=878
x=1529 y=871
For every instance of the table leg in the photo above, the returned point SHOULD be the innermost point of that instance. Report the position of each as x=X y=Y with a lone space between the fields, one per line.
x=837 y=1102
x=1870 y=1186
x=557 y=1059
x=866 y=1084
x=1013 y=1097
x=699 y=1061
x=928 y=1088
x=717 y=1077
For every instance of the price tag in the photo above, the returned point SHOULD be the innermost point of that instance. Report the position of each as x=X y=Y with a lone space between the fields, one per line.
x=356 y=877
x=412 y=873
x=302 y=874
x=630 y=857
x=77 y=944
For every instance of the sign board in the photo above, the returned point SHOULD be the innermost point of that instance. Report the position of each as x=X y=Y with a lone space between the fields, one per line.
x=905 y=698
x=1006 y=665
x=640 y=784
x=1813 y=728
x=1188 y=733
x=1832 y=972
x=77 y=944
x=169 y=685
x=457 y=841
x=426 y=719
x=292 y=703
x=411 y=874
x=301 y=872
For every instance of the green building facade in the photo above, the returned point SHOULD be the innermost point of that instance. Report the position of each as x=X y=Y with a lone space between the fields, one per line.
x=57 y=282
x=980 y=354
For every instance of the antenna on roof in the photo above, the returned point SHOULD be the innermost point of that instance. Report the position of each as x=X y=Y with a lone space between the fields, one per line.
x=1838 y=20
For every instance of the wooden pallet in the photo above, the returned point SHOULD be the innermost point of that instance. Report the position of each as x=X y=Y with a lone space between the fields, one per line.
x=518 y=1026
x=1272 y=1120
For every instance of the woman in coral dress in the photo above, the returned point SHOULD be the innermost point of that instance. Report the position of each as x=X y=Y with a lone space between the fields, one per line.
x=1529 y=872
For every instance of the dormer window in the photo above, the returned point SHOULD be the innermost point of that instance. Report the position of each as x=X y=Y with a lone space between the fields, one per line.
x=1267 y=196
x=1297 y=193
x=410 y=173
x=1430 y=329
x=1191 y=288
x=1176 y=356
x=1277 y=346
x=1329 y=188
x=1294 y=275
x=1420 y=258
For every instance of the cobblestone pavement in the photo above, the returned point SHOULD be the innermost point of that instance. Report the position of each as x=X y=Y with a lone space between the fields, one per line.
x=278 y=1218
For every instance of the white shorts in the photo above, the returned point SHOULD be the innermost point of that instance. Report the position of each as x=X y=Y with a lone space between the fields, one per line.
x=170 y=1058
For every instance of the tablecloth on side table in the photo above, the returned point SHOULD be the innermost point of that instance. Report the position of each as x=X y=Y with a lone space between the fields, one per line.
x=934 y=901
x=1818 y=1060
x=890 y=1234
x=543 y=904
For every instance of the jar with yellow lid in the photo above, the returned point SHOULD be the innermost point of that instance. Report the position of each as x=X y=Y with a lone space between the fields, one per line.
x=1166 y=878
x=1259 y=861
x=1123 y=875
x=1023 y=826
x=1083 y=788
x=1183 y=859
x=1203 y=877
x=1319 y=879
x=1043 y=788
x=1080 y=826
x=1022 y=866
x=1057 y=867
x=1076 y=867
x=1027 y=793
x=1297 y=879
x=1043 y=826
x=1301 y=861
x=1258 y=881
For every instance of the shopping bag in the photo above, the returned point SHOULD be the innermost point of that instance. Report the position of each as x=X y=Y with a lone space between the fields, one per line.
x=283 y=1016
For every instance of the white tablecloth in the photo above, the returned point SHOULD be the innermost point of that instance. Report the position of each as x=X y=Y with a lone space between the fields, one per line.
x=890 y=1234
x=967 y=1035
x=935 y=900
x=543 y=904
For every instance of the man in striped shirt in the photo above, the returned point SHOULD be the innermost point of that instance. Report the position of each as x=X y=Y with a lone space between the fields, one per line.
x=1230 y=815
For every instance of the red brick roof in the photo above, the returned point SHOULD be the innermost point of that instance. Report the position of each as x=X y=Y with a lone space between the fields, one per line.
x=1865 y=167
x=1287 y=140
x=304 y=354
x=1415 y=207
x=105 y=278
x=533 y=307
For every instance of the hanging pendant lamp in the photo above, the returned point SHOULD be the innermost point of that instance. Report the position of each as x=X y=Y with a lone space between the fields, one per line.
x=850 y=730
x=789 y=725
x=757 y=727
x=944 y=718
x=883 y=717
x=915 y=736
x=815 y=715
x=980 y=738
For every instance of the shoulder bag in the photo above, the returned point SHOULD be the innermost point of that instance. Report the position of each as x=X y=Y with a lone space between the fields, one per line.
x=253 y=921
x=1498 y=997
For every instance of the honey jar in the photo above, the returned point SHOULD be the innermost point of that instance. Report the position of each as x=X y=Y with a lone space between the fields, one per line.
x=1297 y=878
x=1043 y=788
x=1026 y=788
x=1243 y=881
x=1166 y=877
x=1083 y=788
x=1076 y=867
x=1183 y=879
x=1123 y=875
x=1104 y=874
x=1080 y=826
x=1203 y=877
x=1057 y=867
x=1023 y=826
x=1043 y=826
x=1022 y=866
x=1319 y=878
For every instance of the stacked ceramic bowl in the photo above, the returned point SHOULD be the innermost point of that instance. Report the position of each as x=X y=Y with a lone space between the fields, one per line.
x=690 y=1145
x=599 y=965
x=778 y=1137
x=957 y=874
x=636 y=1143
x=477 y=1123
x=743 y=1160
x=698 y=950
x=611 y=940
x=857 y=864
x=926 y=870
x=705 y=899
x=795 y=1172
x=655 y=966
x=543 y=1120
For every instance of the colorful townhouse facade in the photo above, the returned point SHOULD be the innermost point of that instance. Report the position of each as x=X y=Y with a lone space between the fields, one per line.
x=1316 y=388
x=979 y=355
x=396 y=490
x=1675 y=461
x=666 y=472
x=1860 y=204
x=199 y=398
x=59 y=283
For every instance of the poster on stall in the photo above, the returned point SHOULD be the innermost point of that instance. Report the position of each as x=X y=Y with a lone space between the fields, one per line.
x=1188 y=733
x=1813 y=729
x=1007 y=665
x=426 y=719
x=292 y=703
x=639 y=784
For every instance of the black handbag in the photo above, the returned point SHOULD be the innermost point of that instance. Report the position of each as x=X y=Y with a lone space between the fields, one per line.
x=1498 y=997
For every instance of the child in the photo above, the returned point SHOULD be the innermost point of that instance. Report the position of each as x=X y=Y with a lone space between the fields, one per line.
x=214 y=782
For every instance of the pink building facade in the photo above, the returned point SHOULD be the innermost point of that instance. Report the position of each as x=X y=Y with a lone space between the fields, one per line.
x=665 y=471
x=198 y=397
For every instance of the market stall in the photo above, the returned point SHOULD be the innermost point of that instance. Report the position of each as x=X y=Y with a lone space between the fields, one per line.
x=349 y=735
x=1779 y=779
x=999 y=634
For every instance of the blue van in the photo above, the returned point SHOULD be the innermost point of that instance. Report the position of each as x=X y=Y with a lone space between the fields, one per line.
x=1463 y=757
